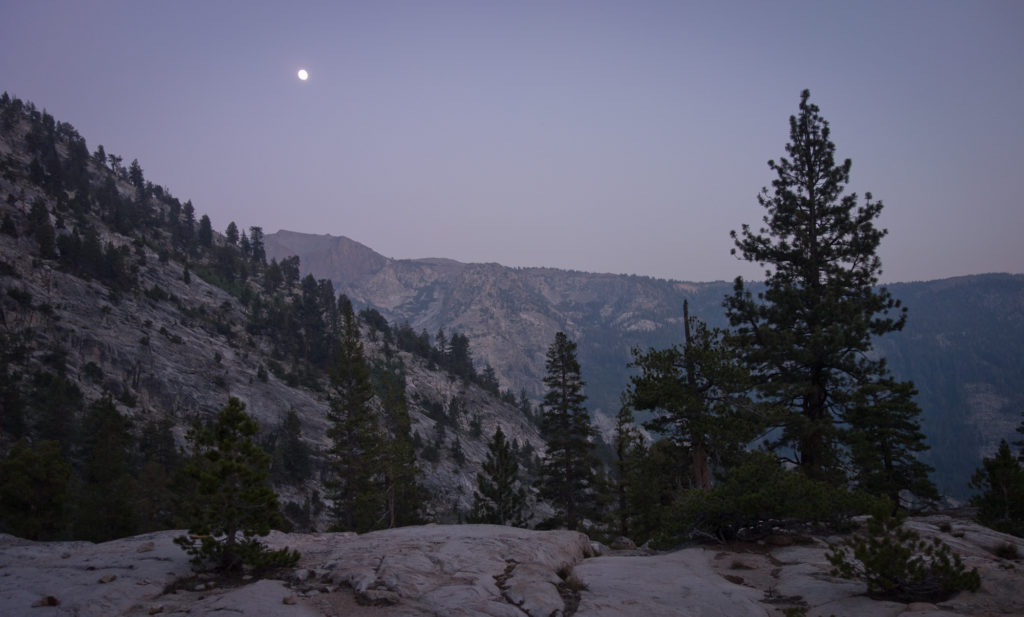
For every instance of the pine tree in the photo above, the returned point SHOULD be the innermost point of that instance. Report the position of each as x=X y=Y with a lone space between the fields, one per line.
x=259 y=253
x=205 y=231
x=233 y=503
x=403 y=494
x=135 y=176
x=290 y=459
x=106 y=501
x=357 y=485
x=231 y=234
x=693 y=392
x=567 y=474
x=1001 y=500
x=628 y=448
x=159 y=506
x=499 y=499
x=884 y=437
x=34 y=482
x=1020 y=443
x=806 y=338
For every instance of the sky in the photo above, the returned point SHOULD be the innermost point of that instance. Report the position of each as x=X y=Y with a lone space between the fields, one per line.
x=625 y=137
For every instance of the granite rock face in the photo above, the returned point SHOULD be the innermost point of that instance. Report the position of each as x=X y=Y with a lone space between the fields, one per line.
x=484 y=570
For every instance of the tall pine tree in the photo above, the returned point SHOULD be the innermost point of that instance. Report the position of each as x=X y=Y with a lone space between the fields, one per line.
x=628 y=445
x=568 y=470
x=402 y=492
x=357 y=485
x=807 y=337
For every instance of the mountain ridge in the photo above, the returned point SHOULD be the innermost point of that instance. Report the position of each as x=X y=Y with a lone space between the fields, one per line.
x=959 y=345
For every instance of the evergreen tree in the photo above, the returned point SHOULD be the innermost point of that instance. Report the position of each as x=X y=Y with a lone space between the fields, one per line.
x=460 y=358
x=1020 y=443
x=135 y=176
x=159 y=505
x=233 y=503
x=231 y=234
x=42 y=229
x=290 y=458
x=258 y=253
x=403 y=494
x=656 y=485
x=205 y=231
x=355 y=441
x=628 y=447
x=806 y=338
x=1001 y=501
x=34 y=482
x=106 y=501
x=692 y=391
x=883 y=437
x=188 y=226
x=441 y=347
x=567 y=474
x=499 y=499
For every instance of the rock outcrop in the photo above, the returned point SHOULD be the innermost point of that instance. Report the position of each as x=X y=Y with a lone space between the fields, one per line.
x=485 y=570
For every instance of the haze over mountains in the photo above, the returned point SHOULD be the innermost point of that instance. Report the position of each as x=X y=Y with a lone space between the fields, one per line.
x=961 y=345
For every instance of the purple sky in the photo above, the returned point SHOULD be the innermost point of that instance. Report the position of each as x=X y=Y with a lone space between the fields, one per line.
x=624 y=137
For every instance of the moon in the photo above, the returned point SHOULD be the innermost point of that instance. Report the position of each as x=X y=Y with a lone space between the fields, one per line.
x=303 y=74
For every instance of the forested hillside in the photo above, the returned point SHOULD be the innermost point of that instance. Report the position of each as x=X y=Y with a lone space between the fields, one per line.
x=125 y=318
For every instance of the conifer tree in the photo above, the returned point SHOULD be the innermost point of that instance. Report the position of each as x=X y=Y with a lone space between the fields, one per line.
x=499 y=499
x=106 y=499
x=233 y=503
x=231 y=234
x=290 y=459
x=34 y=482
x=1020 y=443
x=884 y=437
x=403 y=494
x=1001 y=500
x=355 y=451
x=693 y=391
x=567 y=474
x=159 y=506
x=806 y=338
x=205 y=231
x=628 y=448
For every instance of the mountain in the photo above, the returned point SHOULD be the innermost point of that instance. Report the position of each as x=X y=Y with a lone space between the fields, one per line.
x=961 y=345
x=111 y=289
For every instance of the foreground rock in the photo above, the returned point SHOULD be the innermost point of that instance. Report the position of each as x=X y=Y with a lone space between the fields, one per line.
x=483 y=570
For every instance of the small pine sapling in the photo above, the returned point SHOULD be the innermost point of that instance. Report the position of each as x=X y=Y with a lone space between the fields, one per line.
x=898 y=565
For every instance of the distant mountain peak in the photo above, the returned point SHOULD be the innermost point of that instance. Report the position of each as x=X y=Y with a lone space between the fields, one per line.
x=326 y=253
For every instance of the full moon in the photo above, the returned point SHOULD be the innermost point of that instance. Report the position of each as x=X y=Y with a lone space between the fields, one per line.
x=303 y=74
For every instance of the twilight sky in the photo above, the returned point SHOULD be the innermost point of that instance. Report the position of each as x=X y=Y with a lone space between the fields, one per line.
x=625 y=137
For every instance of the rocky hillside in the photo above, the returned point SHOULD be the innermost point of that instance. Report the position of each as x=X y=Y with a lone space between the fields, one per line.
x=961 y=345
x=108 y=289
x=483 y=570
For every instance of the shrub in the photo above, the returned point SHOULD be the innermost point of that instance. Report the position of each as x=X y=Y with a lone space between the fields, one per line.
x=898 y=565
x=759 y=494
x=1007 y=551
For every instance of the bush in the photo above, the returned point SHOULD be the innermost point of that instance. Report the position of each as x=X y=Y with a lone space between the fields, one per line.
x=1006 y=551
x=760 y=494
x=898 y=565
